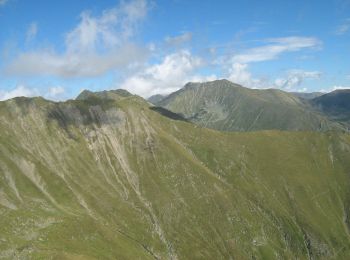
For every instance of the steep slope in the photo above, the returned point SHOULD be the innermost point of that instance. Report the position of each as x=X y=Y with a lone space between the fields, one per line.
x=101 y=178
x=223 y=105
x=335 y=104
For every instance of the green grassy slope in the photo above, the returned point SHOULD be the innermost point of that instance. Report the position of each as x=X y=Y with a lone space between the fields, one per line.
x=223 y=105
x=100 y=178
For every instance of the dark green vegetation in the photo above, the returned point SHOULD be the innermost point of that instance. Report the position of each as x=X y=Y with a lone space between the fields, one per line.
x=223 y=105
x=107 y=177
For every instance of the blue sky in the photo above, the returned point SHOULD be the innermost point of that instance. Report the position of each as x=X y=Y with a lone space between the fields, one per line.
x=57 y=48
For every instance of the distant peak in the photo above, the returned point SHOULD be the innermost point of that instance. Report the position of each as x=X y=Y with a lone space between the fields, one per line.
x=206 y=82
x=217 y=82
x=107 y=94
x=122 y=92
x=84 y=94
x=223 y=81
x=226 y=82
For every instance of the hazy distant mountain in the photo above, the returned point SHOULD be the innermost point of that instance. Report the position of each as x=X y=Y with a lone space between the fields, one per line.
x=308 y=96
x=106 y=94
x=335 y=104
x=223 y=105
x=107 y=176
x=156 y=98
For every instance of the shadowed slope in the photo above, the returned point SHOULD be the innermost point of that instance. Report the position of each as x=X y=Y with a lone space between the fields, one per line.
x=335 y=104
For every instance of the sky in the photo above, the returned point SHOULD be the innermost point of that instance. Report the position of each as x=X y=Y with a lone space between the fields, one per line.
x=56 y=49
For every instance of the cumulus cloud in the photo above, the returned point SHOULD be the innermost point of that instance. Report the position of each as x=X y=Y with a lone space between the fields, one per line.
x=292 y=81
x=180 y=39
x=95 y=46
x=275 y=47
x=343 y=28
x=236 y=67
x=31 y=31
x=295 y=78
x=19 y=91
x=172 y=73
x=239 y=73
x=48 y=62
x=54 y=93
x=114 y=27
x=178 y=68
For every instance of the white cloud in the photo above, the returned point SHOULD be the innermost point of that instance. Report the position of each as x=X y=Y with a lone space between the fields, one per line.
x=172 y=73
x=180 y=39
x=95 y=46
x=295 y=78
x=339 y=87
x=31 y=31
x=114 y=27
x=293 y=81
x=3 y=2
x=236 y=67
x=19 y=91
x=275 y=47
x=343 y=28
x=47 y=62
x=54 y=93
x=239 y=73
x=334 y=88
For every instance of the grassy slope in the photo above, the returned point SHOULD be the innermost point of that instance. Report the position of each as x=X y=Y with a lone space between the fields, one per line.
x=106 y=179
x=223 y=105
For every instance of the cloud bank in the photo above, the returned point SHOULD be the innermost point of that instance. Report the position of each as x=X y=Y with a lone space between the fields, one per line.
x=237 y=66
x=95 y=46
x=169 y=75
x=295 y=78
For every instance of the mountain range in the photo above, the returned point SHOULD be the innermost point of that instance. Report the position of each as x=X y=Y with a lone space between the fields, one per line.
x=335 y=105
x=225 y=106
x=111 y=176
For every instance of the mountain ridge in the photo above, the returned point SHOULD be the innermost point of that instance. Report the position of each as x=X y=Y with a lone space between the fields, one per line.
x=223 y=105
x=113 y=179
